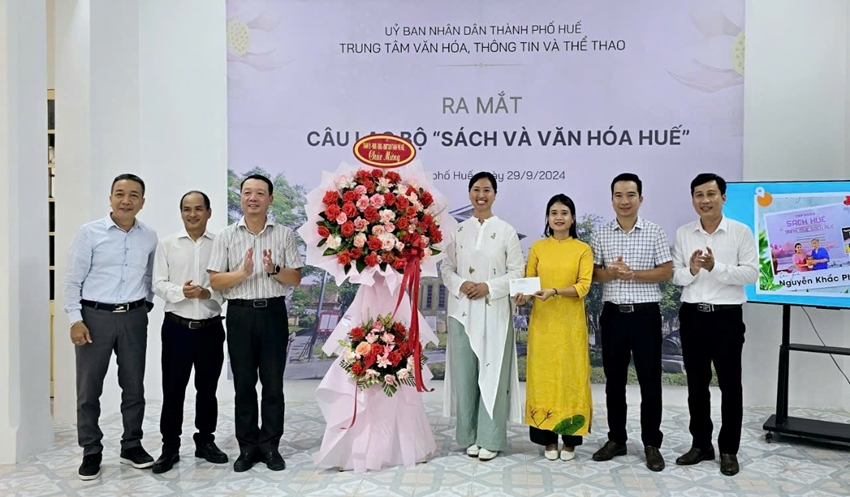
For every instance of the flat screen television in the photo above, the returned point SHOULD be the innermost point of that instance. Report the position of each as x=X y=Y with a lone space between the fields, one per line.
x=802 y=230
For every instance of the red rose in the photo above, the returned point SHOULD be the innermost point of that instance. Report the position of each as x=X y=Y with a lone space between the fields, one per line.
x=361 y=174
x=377 y=173
x=411 y=190
x=404 y=349
x=350 y=210
x=371 y=260
x=371 y=214
x=324 y=232
x=347 y=229
x=402 y=203
x=343 y=258
x=426 y=198
x=374 y=243
x=357 y=333
x=332 y=212
x=399 y=328
x=399 y=264
x=349 y=196
x=402 y=223
x=377 y=349
x=394 y=357
x=411 y=211
x=393 y=176
x=435 y=235
x=330 y=197
x=370 y=187
x=355 y=253
x=357 y=368
x=426 y=221
x=417 y=240
x=389 y=199
x=369 y=360
x=388 y=257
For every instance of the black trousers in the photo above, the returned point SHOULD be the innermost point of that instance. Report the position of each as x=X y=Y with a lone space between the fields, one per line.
x=546 y=437
x=716 y=337
x=627 y=335
x=256 y=340
x=183 y=349
x=126 y=334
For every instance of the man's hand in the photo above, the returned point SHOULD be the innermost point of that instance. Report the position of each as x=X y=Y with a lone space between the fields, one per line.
x=80 y=334
x=248 y=266
x=521 y=299
x=620 y=270
x=696 y=262
x=478 y=291
x=191 y=291
x=708 y=259
x=268 y=264
x=466 y=287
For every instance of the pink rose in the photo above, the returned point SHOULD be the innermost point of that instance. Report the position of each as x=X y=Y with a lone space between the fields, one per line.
x=360 y=224
x=363 y=348
x=388 y=338
x=387 y=216
x=389 y=379
x=377 y=230
x=360 y=189
x=341 y=218
x=362 y=203
x=389 y=227
x=377 y=201
x=360 y=240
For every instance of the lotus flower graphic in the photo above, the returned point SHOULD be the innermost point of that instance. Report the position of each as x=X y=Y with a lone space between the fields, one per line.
x=243 y=47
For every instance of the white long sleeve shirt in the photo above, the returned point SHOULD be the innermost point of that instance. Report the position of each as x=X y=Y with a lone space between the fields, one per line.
x=179 y=259
x=736 y=263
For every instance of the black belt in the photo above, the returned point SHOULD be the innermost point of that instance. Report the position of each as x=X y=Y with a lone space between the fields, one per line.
x=258 y=303
x=703 y=307
x=125 y=307
x=193 y=324
x=629 y=308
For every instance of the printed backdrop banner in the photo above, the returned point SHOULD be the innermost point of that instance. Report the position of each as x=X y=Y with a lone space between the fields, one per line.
x=551 y=96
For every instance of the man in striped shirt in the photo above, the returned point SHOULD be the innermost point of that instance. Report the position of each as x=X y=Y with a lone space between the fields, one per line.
x=254 y=264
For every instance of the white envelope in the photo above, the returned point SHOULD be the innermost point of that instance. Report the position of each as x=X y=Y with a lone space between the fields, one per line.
x=525 y=286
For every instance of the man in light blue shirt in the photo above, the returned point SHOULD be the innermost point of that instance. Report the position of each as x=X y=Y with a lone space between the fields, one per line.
x=107 y=297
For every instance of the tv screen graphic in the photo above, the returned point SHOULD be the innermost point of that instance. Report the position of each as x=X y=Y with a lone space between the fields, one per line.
x=802 y=230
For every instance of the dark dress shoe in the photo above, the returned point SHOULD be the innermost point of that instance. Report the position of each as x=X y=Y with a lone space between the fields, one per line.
x=274 y=461
x=211 y=453
x=609 y=451
x=245 y=461
x=695 y=455
x=729 y=464
x=166 y=461
x=654 y=459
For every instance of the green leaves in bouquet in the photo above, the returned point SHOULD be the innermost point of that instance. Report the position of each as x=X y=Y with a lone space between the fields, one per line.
x=766 y=283
x=360 y=265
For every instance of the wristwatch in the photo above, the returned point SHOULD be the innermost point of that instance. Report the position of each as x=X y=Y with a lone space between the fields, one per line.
x=276 y=271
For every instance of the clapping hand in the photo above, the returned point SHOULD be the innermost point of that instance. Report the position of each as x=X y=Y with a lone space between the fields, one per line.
x=248 y=267
x=700 y=260
x=268 y=264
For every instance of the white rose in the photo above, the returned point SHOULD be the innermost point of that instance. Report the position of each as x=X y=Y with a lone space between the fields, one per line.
x=334 y=242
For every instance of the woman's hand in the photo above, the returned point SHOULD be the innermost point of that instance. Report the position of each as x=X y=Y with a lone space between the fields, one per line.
x=544 y=294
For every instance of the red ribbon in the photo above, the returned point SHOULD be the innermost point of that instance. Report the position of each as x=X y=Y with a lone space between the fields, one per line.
x=410 y=283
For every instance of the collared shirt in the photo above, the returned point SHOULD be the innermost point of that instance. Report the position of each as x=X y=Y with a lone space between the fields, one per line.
x=180 y=259
x=643 y=248
x=820 y=253
x=109 y=265
x=228 y=254
x=735 y=263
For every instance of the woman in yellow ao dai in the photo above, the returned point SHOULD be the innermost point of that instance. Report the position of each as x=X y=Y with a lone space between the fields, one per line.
x=558 y=400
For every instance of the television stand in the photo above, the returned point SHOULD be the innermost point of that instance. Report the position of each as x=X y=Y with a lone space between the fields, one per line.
x=781 y=423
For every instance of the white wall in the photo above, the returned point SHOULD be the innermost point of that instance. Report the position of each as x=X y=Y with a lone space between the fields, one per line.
x=796 y=128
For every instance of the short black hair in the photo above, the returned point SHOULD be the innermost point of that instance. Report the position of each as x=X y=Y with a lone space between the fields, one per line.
x=261 y=178
x=628 y=177
x=480 y=175
x=704 y=178
x=128 y=177
x=192 y=192
x=567 y=201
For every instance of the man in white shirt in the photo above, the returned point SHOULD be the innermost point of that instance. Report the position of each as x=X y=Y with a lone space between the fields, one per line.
x=192 y=332
x=713 y=259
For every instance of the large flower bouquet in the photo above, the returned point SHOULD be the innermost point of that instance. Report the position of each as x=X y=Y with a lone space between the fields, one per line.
x=379 y=352
x=373 y=218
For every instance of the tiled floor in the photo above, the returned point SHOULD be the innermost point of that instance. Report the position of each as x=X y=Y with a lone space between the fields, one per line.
x=784 y=467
